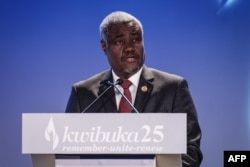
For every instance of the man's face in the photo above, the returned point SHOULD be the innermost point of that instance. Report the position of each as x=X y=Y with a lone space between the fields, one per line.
x=124 y=48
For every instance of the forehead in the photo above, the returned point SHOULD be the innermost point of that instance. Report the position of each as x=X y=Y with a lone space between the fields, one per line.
x=116 y=29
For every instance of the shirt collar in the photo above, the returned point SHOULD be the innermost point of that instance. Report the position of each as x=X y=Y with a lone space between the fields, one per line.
x=134 y=78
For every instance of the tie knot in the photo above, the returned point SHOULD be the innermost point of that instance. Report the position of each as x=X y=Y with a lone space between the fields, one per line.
x=126 y=84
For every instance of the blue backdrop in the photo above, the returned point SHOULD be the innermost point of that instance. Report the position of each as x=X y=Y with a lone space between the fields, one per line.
x=46 y=46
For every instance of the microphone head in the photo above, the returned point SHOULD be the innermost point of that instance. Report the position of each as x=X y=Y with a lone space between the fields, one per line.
x=105 y=82
x=108 y=82
x=119 y=81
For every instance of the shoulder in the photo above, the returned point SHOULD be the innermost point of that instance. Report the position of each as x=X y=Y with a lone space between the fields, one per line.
x=162 y=76
x=162 y=79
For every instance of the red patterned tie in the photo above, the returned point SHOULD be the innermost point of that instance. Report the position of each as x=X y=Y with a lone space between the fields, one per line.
x=124 y=106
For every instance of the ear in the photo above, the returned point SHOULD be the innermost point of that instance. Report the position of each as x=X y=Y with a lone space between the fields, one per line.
x=104 y=46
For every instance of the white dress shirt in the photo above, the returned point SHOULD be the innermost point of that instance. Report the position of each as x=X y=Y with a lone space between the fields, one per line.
x=133 y=88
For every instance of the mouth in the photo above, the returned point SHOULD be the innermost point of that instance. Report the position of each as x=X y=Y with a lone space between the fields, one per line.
x=129 y=59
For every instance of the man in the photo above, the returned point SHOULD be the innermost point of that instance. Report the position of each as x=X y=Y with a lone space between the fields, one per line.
x=151 y=90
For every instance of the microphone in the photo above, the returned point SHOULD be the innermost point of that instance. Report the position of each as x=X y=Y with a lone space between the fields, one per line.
x=106 y=82
x=118 y=82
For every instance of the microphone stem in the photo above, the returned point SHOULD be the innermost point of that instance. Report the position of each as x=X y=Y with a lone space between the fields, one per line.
x=96 y=99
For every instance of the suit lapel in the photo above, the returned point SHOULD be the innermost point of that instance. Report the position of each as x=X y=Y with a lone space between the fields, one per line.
x=108 y=99
x=144 y=90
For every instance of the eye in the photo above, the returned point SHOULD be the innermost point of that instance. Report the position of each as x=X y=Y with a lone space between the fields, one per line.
x=136 y=40
x=119 y=42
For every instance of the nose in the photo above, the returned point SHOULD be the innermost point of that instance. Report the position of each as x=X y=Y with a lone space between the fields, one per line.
x=129 y=46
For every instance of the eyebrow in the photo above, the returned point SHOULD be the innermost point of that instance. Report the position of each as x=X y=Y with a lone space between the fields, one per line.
x=119 y=36
x=136 y=33
x=132 y=33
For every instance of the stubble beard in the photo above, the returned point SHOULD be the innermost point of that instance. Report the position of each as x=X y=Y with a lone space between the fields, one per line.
x=131 y=71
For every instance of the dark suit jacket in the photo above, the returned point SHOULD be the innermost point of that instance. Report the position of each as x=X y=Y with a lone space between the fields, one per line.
x=167 y=93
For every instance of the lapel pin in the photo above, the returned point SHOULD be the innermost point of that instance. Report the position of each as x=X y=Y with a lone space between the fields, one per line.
x=144 y=88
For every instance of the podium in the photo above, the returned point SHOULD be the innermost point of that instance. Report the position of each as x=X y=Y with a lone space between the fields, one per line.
x=162 y=136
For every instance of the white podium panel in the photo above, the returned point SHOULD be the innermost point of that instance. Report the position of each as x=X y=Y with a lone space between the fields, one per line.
x=106 y=163
x=160 y=134
x=104 y=133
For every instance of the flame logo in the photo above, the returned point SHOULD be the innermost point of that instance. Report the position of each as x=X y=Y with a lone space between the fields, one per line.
x=51 y=135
